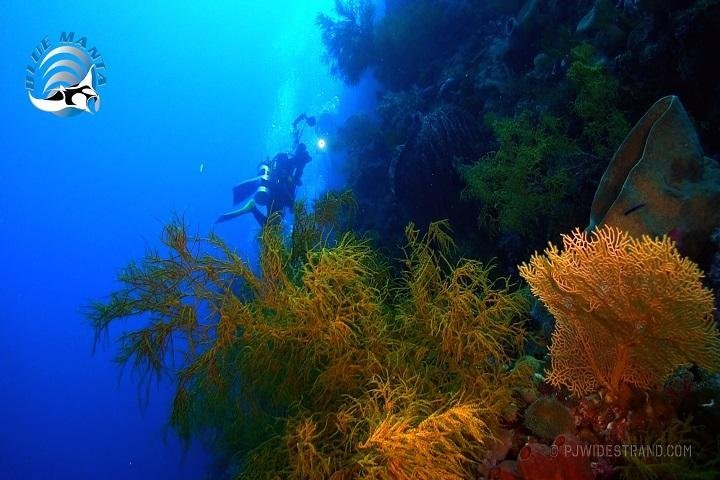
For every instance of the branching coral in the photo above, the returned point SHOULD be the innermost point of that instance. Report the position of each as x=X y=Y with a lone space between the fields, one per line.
x=443 y=444
x=348 y=39
x=335 y=210
x=595 y=103
x=322 y=365
x=330 y=217
x=470 y=316
x=520 y=187
x=628 y=311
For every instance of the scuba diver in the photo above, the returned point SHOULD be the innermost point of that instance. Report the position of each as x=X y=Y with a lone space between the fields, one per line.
x=274 y=186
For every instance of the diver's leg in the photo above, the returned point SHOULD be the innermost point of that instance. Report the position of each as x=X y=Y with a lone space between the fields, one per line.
x=247 y=208
x=259 y=217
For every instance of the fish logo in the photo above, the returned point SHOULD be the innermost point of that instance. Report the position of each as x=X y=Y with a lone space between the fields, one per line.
x=64 y=79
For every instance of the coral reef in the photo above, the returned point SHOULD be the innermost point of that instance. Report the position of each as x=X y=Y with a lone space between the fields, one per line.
x=667 y=53
x=355 y=42
x=423 y=169
x=413 y=442
x=660 y=183
x=592 y=64
x=367 y=161
x=331 y=217
x=401 y=113
x=604 y=125
x=677 y=433
x=324 y=364
x=437 y=26
x=562 y=460
x=714 y=275
x=348 y=38
x=628 y=311
x=372 y=343
x=521 y=187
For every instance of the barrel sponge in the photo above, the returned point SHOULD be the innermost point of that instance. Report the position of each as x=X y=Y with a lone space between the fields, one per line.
x=627 y=310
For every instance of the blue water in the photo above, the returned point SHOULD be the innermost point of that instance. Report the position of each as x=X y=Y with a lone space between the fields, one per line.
x=197 y=94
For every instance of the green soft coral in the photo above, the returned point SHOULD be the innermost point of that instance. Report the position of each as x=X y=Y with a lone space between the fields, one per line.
x=604 y=125
x=524 y=182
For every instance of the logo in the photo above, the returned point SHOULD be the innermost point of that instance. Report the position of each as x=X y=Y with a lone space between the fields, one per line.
x=63 y=77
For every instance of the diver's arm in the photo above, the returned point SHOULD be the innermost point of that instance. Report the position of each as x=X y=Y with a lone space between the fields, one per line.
x=297 y=129
x=299 y=119
x=299 y=168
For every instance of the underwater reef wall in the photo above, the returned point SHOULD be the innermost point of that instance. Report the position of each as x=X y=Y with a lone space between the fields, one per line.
x=327 y=363
x=423 y=168
x=595 y=65
x=553 y=89
x=374 y=343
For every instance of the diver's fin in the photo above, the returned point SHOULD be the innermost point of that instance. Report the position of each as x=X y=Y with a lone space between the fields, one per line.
x=245 y=189
x=247 y=208
x=230 y=215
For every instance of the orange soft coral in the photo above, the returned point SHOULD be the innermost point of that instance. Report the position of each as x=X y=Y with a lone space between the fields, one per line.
x=323 y=364
x=628 y=311
x=411 y=438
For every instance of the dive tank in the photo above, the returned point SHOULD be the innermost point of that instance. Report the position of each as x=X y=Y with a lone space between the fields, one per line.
x=262 y=194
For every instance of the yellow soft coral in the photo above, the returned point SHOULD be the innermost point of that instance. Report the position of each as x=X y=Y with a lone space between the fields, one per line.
x=628 y=311
x=321 y=363
x=415 y=438
x=307 y=463
x=437 y=447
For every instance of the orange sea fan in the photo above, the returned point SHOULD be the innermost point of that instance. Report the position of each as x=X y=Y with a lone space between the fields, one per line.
x=627 y=311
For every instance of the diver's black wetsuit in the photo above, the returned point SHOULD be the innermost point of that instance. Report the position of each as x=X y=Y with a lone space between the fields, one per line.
x=277 y=180
x=285 y=177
